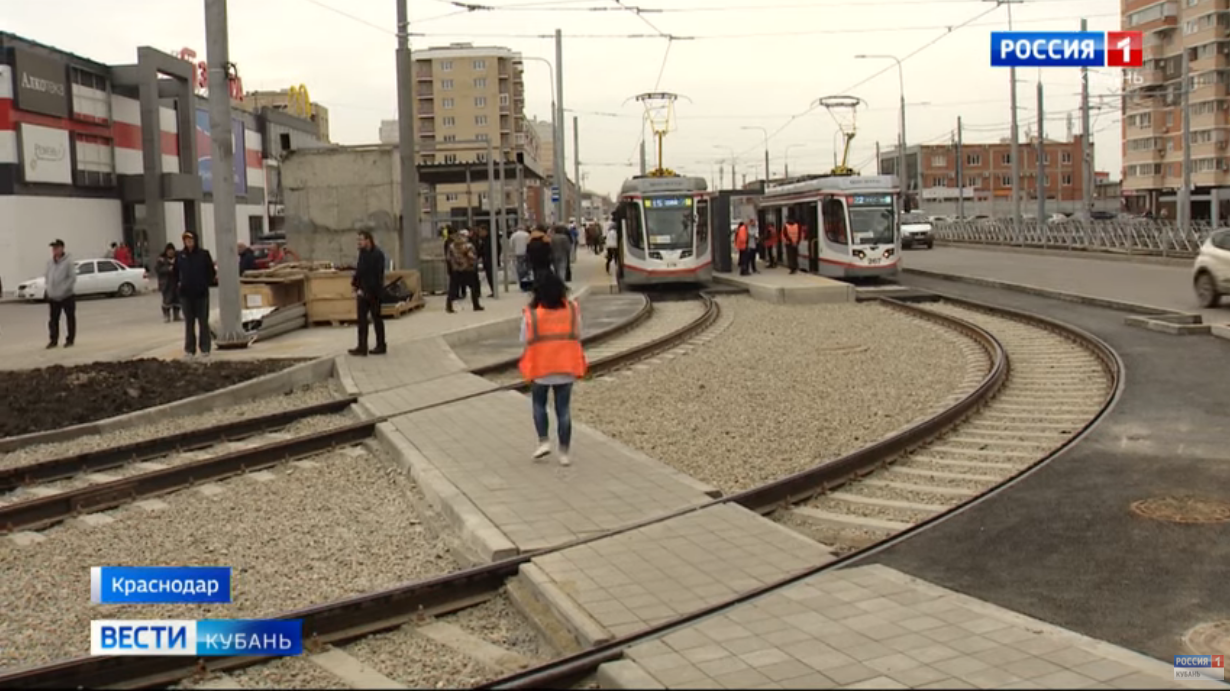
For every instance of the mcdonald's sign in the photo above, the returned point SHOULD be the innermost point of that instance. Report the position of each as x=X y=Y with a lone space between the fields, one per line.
x=298 y=102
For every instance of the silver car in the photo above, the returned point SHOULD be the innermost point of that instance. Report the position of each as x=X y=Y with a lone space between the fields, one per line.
x=94 y=277
x=1211 y=273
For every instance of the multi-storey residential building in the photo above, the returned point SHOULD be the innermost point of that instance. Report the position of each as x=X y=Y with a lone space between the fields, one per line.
x=295 y=101
x=987 y=171
x=467 y=96
x=1198 y=31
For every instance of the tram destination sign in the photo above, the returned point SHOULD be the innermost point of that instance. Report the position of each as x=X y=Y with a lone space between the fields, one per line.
x=872 y=200
x=668 y=202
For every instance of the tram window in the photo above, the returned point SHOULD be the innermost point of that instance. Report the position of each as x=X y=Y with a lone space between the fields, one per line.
x=636 y=237
x=835 y=221
x=702 y=222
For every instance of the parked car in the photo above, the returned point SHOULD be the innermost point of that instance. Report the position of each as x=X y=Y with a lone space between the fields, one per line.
x=1057 y=218
x=1211 y=273
x=916 y=230
x=94 y=277
x=1103 y=215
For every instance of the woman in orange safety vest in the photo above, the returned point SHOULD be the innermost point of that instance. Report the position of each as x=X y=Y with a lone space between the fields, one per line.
x=553 y=359
x=741 y=239
x=770 y=244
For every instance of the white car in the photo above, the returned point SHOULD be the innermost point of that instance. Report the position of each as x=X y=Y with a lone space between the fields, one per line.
x=1211 y=274
x=94 y=277
x=916 y=230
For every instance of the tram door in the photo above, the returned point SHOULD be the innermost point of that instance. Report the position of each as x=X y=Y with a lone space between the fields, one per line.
x=835 y=241
x=702 y=227
x=811 y=226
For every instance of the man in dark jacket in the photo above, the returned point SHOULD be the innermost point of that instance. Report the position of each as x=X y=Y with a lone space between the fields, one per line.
x=194 y=272
x=368 y=285
x=247 y=259
x=538 y=253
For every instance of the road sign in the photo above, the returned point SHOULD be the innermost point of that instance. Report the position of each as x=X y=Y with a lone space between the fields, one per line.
x=554 y=195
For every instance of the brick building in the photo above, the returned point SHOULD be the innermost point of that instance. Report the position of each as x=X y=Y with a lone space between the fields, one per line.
x=987 y=170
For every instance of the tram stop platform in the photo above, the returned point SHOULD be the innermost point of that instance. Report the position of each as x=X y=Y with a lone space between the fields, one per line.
x=778 y=286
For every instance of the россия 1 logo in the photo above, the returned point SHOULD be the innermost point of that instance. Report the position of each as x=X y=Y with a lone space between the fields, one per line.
x=1067 y=49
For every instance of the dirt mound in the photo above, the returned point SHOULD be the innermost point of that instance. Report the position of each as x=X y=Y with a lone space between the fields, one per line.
x=56 y=397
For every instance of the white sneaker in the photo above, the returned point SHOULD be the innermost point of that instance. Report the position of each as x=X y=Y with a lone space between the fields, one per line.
x=564 y=460
x=542 y=450
x=189 y=356
x=205 y=355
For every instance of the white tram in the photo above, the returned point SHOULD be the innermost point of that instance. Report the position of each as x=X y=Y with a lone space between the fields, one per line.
x=856 y=215
x=664 y=230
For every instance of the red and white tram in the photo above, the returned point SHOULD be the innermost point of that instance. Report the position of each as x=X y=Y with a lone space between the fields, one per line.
x=849 y=222
x=664 y=230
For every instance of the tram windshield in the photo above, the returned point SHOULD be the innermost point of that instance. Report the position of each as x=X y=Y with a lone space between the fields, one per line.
x=871 y=219
x=669 y=222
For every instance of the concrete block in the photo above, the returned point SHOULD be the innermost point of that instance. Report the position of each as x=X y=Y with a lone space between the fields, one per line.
x=94 y=520
x=626 y=674
x=25 y=538
x=40 y=492
x=99 y=478
x=1220 y=330
x=221 y=681
x=305 y=465
x=261 y=476
x=211 y=490
x=472 y=646
x=151 y=505
x=352 y=672
x=478 y=534
x=588 y=632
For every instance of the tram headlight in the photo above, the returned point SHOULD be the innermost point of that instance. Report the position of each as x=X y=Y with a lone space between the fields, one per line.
x=889 y=252
x=860 y=254
x=655 y=255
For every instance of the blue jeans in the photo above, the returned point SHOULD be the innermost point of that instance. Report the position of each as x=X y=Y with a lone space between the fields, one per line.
x=563 y=412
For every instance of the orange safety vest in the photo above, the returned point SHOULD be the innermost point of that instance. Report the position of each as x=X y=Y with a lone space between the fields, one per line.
x=792 y=234
x=741 y=238
x=770 y=237
x=552 y=343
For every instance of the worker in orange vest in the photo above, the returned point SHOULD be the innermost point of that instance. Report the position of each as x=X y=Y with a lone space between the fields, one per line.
x=741 y=244
x=553 y=359
x=770 y=244
x=792 y=235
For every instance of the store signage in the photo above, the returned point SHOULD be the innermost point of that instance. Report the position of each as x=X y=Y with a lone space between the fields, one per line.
x=44 y=155
x=200 y=75
x=299 y=103
x=205 y=157
x=40 y=84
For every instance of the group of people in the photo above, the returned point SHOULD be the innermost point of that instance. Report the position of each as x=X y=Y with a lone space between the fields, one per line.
x=751 y=243
x=184 y=278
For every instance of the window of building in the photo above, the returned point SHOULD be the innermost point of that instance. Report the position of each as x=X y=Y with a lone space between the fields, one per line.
x=1005 y=159
x=1146 y=15
x=446 y=103
x=1065 y=157
x=446 y=85
x=480 y=101
x=1046 y=181
x=451 y=197
x=89 y=79
x=504 y=100
x=481 y=136
x=446 y=65
x=939 y=182
x=450 y=158
x=480 y=65
x=972 y=182
x=481 y=158
x=1067 y=179
x=1005 y=181
x=939 y=161
x=450 y=137
x=480 y=120
x=480 y=82
x=256 y=226
x=973 y=160
x=1046 y=158
x=448 y=121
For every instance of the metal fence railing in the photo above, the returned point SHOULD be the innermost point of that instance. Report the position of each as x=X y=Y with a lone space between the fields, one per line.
x=1134 y=236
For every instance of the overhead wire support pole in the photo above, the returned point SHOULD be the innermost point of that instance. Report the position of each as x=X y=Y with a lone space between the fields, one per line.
x=1185 y=193
x=576 y=165
x=902 y=168
x=223 y=150
x=407 y=146
x=767 y=174
x=1086 y=143
x=960 y=173
x=1041 y=161
x=561 y=167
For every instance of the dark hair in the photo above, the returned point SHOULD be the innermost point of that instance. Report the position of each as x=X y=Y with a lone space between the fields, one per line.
x=366 y=236
x=550 y=293
x=170 y=246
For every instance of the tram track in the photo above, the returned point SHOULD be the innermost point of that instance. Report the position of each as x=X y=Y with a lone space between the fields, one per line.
x=347 y=620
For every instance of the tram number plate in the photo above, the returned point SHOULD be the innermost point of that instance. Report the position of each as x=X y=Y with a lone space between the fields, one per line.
x=671 y=265
x=873 y=262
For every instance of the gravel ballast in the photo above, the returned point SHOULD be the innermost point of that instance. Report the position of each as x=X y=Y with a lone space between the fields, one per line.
x=783 y=388
x=313 y=534
x=315 y=393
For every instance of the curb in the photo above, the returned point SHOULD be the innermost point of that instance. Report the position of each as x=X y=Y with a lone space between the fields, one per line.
x=1097 y=255
x=293 y=377
x=625 y=674
x=1117 y=305
x=496 y=327
x=584 y=628
x=708 y=490
x=794 y=295
x=478 y=535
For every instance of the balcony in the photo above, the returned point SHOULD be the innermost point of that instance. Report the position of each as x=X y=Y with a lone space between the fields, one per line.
x=423 y=74
x=427 y=112
x=1209 y=92
x=1153 y=155
x=1143 y=182
x=1209 y=149
x=1210 y=178
x=1217 y=118
x=425 y=94
x=1205 y=35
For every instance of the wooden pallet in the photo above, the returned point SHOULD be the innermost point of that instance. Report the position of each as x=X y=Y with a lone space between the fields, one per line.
x=394 y=311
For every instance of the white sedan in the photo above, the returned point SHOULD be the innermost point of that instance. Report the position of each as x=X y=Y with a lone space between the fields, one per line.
x=94 y=277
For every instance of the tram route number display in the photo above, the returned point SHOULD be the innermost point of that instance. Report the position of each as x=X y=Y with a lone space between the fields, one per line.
x=872 y=200
x=668 y=202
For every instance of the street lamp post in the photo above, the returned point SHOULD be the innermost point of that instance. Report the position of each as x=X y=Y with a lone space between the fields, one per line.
x=555 y=127
x=902 y=169
x=733 y=184
x=786 y=157
x=766 y=149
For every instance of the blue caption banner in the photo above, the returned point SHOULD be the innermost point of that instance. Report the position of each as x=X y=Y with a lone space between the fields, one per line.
x=199 y=638
x=148 y=585
x=1048 y=49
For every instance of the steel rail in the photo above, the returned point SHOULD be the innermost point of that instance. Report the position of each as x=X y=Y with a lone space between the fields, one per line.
x=390 y=608
x=147 y=449
x=44 y=511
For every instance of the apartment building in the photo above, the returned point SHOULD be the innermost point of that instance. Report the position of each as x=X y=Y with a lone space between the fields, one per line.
x=1197 y=31
x=987 y=170
x=467 y=96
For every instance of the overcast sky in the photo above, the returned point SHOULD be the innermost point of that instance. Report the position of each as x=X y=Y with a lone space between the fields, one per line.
x=739 y=63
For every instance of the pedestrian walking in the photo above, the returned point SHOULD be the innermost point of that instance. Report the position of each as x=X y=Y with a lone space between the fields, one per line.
x=539 y=255
x=741 y=244
x=792 y=235
x=123 y=255
x=247 y=259
x=482 y=247
x=164 y=269
x=753 y=245
x=368 y=283
x=553 y=360
x=463 y=263
x=61 y=284
x=111 y=251
x=561 y=251
x=194 y=273
x=770 y=244
x=612 y=246
x=520 y=240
